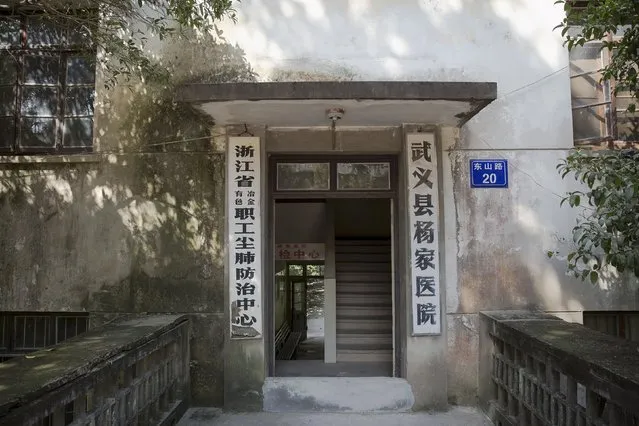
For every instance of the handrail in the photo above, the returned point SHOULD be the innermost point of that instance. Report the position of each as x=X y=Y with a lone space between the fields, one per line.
x=130 y=372
x=536 y=369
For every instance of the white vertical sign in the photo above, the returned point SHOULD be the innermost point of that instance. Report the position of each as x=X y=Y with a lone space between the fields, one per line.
x=424 y=229
x=245 y=232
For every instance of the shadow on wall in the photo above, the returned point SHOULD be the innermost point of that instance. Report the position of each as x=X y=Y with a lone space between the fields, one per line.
x=461 y=40
x=141 y=228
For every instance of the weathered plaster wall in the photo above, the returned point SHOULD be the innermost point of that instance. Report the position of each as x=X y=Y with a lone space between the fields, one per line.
x=140 y=229
x=496 y=252
x=128 y=233
x=139 y=226
x=511 y=42
x=495 y=240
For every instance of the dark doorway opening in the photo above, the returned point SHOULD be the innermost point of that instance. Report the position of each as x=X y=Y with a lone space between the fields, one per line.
x=337 y=214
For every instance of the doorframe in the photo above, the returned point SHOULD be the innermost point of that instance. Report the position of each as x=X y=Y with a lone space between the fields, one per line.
x=395 y=205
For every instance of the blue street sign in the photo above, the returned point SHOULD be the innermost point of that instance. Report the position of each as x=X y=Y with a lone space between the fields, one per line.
x=489 y=173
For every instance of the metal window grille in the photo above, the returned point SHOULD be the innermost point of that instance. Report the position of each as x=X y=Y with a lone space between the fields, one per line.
x=31 y=332
x=47 y=79
x=23 y=332
x=4 y=338
x=70 y=326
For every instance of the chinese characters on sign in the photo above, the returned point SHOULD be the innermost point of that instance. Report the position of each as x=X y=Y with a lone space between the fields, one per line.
x=243 y=162
x=489 y=173
x=299 y=251
x=424 y=246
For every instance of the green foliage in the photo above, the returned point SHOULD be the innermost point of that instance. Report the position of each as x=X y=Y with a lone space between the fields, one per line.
x=614 y=23
x=606 y=232
x=120 y=30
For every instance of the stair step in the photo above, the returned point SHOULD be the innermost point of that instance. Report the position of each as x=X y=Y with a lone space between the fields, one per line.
x=362 y=267
x=342 y=394
x=361 y=331
x=372 y=242
x=351 y=355
x=364 y=277
x=364 y=311
x=364 y=257
x=356 y=302
x=344 y=340
x=363 y=325
x=367 y=347
x=375 y=249
x=365 y=290
x=384 y=300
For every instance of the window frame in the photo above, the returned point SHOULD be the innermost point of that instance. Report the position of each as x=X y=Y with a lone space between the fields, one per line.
x=333 y=191
x=64 y=53
x=607 y=99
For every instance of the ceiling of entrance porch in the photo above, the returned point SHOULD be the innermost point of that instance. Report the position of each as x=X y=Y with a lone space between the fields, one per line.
x=305 y=104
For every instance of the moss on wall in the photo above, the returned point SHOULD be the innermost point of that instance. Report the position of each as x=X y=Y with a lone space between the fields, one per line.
x=140 y=227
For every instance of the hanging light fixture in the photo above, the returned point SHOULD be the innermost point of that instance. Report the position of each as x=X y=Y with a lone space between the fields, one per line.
x=334 y=114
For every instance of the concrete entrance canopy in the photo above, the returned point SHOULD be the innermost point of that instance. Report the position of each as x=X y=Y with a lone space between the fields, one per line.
x=366 y=103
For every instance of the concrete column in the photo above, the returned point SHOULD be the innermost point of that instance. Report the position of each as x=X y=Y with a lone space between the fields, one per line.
x=244 y=359
x=426 y=363
x=330 y=289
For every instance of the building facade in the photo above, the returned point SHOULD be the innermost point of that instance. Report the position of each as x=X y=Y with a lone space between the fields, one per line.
x=400 y=154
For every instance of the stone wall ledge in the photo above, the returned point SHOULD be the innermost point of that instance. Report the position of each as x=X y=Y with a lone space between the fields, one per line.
x=527 y=353
x=96 y=363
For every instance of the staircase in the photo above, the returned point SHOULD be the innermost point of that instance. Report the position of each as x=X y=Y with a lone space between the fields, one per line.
x=364 y=300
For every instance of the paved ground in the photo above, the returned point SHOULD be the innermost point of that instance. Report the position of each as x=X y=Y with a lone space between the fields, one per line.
x=214 y=417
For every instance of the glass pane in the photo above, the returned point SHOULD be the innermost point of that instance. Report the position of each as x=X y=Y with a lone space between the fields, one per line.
x=80 y=35
x=589 y=122
x=586 y=88
x=42 y=32
x=315 y=270
x=9 y=32
x=8 y=70
x=7 y=100
x=303 y=176
x=39 y=101
x=78 y=132
x=80 y=71
x=79 y=101
x=363 y=176
x=41 y=69
x=296 y=270
x=38 y=132
x=7 y=131
x=585 y=58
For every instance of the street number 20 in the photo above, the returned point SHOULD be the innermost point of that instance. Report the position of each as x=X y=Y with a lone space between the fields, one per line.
x=489 y=178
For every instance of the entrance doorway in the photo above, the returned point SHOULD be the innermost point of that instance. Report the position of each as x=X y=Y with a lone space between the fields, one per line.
x=334 y=281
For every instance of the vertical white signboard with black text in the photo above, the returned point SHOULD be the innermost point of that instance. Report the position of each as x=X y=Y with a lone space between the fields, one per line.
x=424 y=229
x=245 y=235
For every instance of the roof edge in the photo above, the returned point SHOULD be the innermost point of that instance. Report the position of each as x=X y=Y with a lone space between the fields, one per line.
x=479 y=92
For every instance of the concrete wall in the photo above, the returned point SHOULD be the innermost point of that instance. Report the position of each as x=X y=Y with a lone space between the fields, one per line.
x=139 y=225
x=128 y=233
x=139 y=228
x=496 y=240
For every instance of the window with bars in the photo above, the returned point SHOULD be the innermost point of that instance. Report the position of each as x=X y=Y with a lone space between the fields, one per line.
x=598 y=114
x=47 y=85
x=23 y=332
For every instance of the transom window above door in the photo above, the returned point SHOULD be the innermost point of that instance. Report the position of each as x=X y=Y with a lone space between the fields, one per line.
x=334 y=175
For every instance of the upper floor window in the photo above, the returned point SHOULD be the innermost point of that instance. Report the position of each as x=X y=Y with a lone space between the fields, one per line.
x=598 y=113
x=47 y=85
